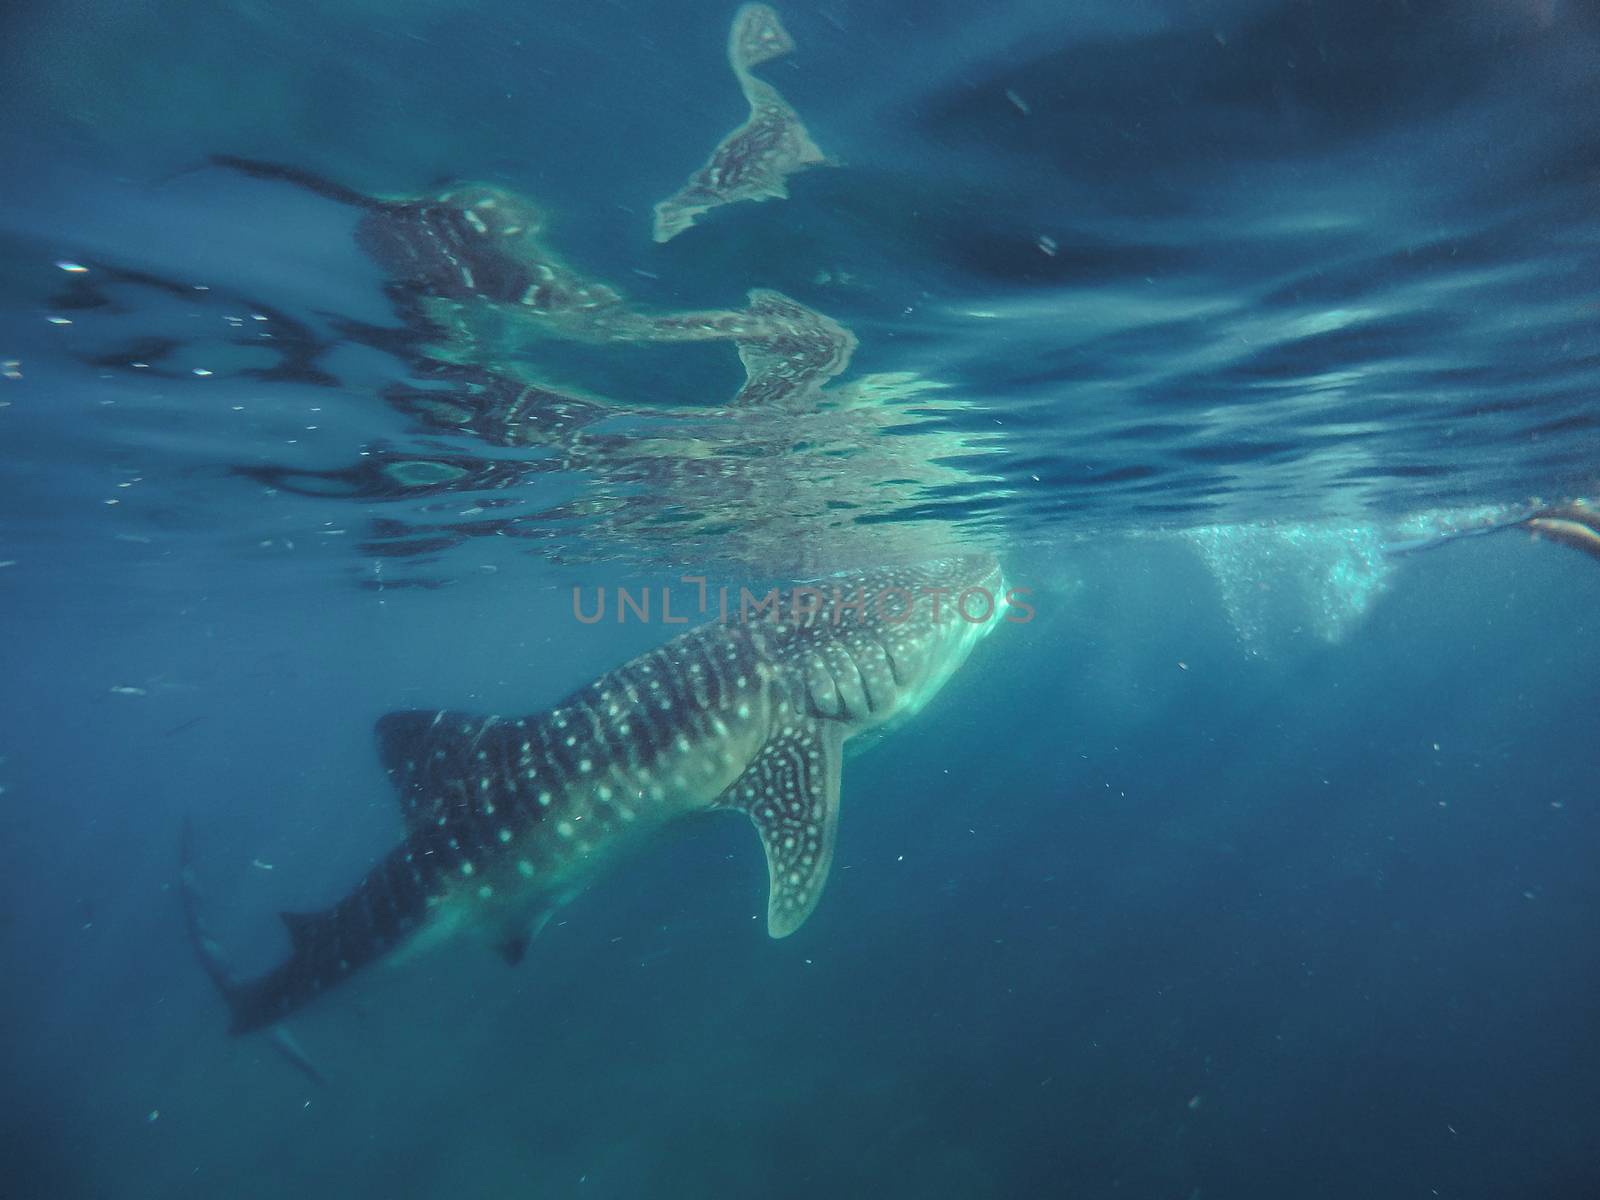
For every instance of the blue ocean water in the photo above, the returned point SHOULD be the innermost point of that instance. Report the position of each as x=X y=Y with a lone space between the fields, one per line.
x=1258 y=863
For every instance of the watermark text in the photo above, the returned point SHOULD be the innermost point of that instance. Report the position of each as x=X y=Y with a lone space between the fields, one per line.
x=800 y=605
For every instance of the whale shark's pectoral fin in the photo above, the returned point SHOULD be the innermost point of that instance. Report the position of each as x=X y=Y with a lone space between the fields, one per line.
x=791 y=791
x=513 y=948
x=513 y=943
x=287 y=1045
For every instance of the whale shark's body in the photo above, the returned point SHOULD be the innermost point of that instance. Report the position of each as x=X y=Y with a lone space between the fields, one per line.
x=507 y=818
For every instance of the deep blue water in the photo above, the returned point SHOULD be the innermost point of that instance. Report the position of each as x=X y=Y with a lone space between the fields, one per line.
x=1259 y=864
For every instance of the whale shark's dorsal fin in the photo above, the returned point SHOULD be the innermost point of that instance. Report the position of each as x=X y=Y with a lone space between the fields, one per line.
x=302 y=928
x=791 y=791
x=427 y=754
x=403 y=748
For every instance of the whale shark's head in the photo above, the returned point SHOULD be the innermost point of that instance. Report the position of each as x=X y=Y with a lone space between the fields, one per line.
x=873 y=648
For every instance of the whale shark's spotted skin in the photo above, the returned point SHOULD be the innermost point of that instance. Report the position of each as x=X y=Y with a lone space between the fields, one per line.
x=509 y=817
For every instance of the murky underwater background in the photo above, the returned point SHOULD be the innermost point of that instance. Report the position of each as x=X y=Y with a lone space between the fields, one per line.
x=1258 y=864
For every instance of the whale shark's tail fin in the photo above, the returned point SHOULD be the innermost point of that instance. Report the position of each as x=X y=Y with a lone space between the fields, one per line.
x=318 y=185
x=241 y=999
x=205 y=946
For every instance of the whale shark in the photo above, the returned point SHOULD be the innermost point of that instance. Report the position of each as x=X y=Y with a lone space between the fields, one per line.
x=509 y=818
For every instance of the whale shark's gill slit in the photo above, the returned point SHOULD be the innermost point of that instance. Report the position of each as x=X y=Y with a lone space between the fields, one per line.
x=791 y=791
x=670 y=696
x=821 y=689
x=641 y=723
x=695 y=666
x=851 y=689
x=598 y=735
x=633 y=729
x=516 y=790
x=900 y=650
x=557 y=745
x=719 y=689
